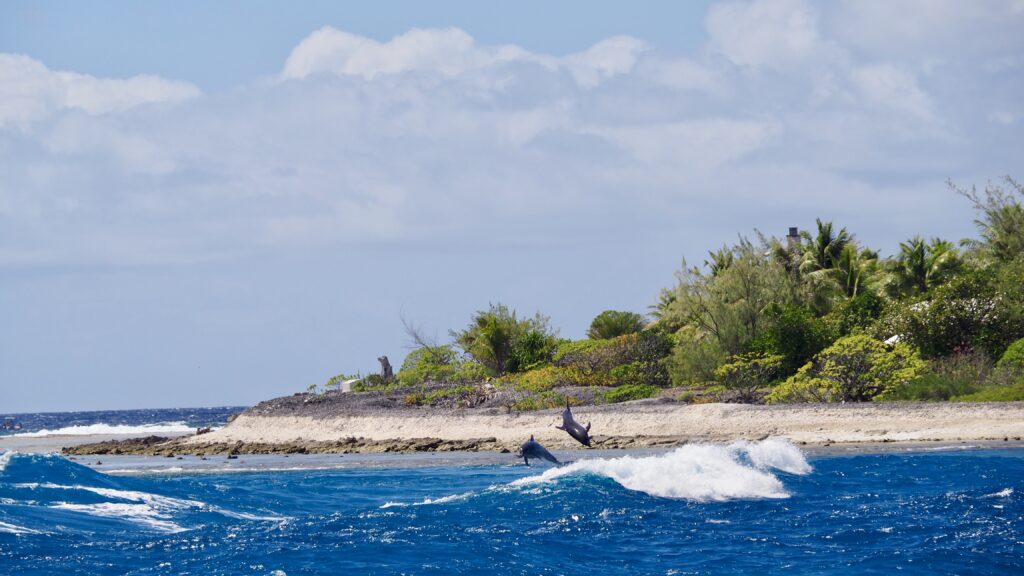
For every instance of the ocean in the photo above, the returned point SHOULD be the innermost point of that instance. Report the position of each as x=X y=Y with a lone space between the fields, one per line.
x=155 y=421
x=742 y=508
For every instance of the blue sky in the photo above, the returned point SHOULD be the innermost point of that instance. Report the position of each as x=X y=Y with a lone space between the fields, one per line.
x=215 y=203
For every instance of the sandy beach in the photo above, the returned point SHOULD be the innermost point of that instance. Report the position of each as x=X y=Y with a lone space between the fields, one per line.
x=645 y=423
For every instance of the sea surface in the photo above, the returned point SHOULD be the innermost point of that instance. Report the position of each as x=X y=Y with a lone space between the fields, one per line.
x=155 y=421
x=742 y=508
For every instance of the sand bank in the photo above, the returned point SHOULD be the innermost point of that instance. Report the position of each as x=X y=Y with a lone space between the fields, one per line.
x=640 y=424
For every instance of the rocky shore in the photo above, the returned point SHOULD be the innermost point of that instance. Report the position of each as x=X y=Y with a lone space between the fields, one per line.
x=364 y=423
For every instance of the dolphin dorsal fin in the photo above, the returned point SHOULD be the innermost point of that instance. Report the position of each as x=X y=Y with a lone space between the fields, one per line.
x=588 y=426
x=531 y=438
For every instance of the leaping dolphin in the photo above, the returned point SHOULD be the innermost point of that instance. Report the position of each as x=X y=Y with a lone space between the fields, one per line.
x=533 y=449
x=570 y=425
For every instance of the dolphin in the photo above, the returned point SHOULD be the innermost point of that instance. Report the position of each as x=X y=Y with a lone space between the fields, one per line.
x=534 y=449
x=570 y=425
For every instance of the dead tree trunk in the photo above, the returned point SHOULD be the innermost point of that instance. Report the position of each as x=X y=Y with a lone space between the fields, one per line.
x=385 y=369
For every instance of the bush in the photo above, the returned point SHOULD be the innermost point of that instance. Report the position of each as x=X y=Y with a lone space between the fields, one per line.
x=947 y=377
x=971 y=312
x=857 y=315
x=628 y=392
x=1012 y=360
x=853 y=369
x=437 y=364
x=746 y=373
x=613 y=323
x=695 y=357
x=538 y=380
x=793 y=333
x=1011 y=393
x=497 y=339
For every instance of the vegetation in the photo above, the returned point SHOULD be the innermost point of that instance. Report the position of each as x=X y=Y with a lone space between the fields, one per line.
x=817 y=316
x=613 y=323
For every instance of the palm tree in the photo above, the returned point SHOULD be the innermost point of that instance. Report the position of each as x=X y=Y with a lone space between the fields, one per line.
x=921 y=266
x=824 y=248
x=855 y=269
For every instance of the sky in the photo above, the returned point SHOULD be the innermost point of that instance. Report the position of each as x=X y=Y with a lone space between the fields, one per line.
x=209 y=204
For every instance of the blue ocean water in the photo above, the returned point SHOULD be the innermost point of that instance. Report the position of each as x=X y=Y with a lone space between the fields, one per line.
x=150 y=421
x=744 y=508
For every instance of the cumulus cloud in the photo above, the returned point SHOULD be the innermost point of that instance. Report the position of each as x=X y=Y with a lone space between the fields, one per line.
x=448 y=53
x=30 y=91
x=432 y=138
x=765 y=32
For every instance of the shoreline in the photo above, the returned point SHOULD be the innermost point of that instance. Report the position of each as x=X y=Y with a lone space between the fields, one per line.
x=633 y=425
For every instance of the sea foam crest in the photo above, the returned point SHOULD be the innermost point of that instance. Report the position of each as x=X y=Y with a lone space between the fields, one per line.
x=699 y=472
x=5 y=458
x=101 y=428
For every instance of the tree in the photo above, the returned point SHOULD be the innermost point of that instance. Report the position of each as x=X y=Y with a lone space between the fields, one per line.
x=794 y=334
x=612 y=323
x=853 y=369
x=498 y=340
x=1001 y=220
x=746 y=373
x=921 y=266
x=823 y=249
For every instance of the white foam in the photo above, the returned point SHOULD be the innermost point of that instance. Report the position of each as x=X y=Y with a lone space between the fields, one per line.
x=12 y=529
x=700 y=472
x=102 y=429
x=137 y=513
x=774 y=453
x=1004 y=493
x=428 y=501
x=158 y=503
x=5 y=458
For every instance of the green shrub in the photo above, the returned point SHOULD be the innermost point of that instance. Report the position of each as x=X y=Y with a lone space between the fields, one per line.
x=971 y=312
x=928 y=388
x=538 y=380
x=499 y=340
x=613 y=323
x=1010 y=393
x=746 y=373
x=548 y=399
x=694 y=358
x=1013 y=359
x=628 y=392
x=857 y=315
x=438 y=364
x=795 y=334
x=853 y=369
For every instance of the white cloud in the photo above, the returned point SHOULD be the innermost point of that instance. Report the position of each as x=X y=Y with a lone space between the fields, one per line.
x=446 y=52
x=774 y=33
x=890 y=87
x=431 y=137
x=30 y=91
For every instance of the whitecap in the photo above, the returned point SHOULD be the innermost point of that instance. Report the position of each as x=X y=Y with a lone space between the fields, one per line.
x=5 y=458
x=137 y=513
x=13 y=529
x=103 y=428
x=699 y=472
x=1004 y=493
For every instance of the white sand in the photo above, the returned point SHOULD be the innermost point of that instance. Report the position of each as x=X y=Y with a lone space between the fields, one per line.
x=814 y=424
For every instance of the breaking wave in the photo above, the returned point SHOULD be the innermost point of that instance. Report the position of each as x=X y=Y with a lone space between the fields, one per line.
x=53 y=487
x=698 y=472
x=101 y=428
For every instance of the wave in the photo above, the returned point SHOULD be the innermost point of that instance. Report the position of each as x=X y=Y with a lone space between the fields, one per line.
x=102 y=428
x=53 y=483
x=5 y=458
x=697 y=472
x=12 y=529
